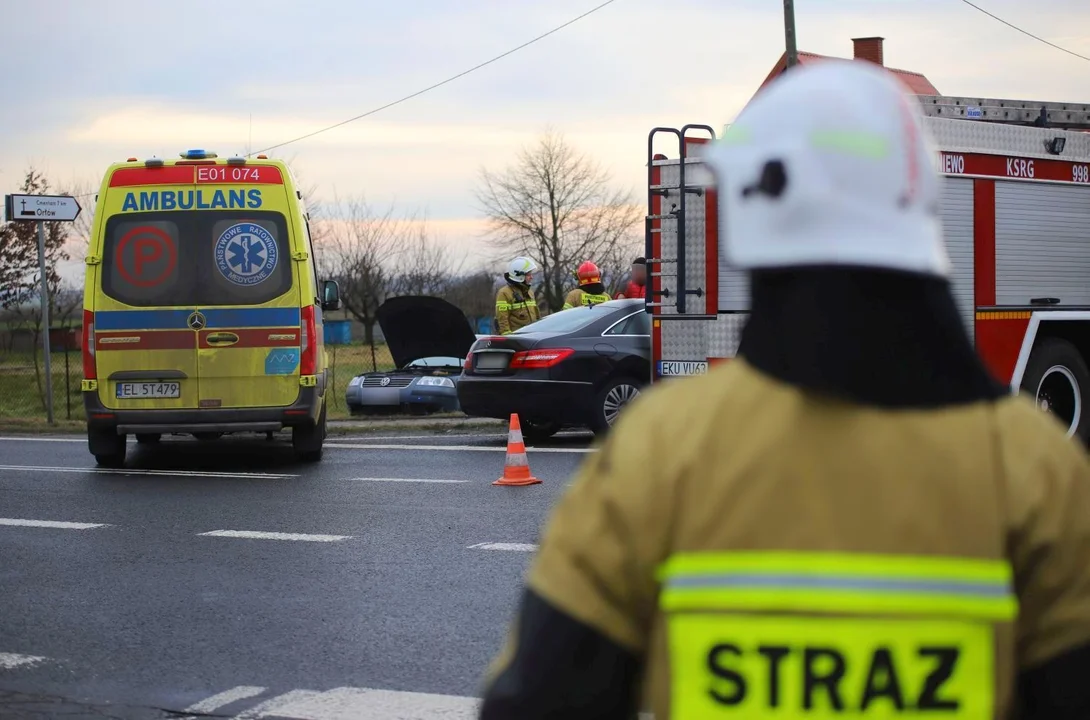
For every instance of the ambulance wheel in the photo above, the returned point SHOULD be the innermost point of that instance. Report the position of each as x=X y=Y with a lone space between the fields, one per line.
x=148 y=438
x=107 y=446
x=1057 y=380
x=611 y=400
x=307 y=440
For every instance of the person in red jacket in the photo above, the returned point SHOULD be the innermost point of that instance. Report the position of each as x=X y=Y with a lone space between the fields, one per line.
x=635 y=286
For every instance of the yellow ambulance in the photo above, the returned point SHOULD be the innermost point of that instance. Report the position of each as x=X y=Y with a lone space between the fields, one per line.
x=202 y=310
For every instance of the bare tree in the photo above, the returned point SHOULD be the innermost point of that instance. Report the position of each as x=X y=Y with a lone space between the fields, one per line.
x=473 y=293
x=558 y=207
x=359 y=250
x=425 y=266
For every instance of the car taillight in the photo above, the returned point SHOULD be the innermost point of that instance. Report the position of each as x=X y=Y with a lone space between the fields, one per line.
x=308 y=358
x=539 y=358
x=467 y=364
x=89 y=370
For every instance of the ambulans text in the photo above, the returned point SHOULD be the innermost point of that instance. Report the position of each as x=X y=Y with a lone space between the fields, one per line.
x=191 y=200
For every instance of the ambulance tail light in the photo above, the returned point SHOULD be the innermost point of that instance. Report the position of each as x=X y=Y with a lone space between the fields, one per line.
x=531 y=359
x=308 y=356
x=89 y=370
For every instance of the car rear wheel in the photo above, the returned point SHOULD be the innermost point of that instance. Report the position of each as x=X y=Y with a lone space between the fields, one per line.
x=107 y=446
x=307 y=440
x=538 y=431
x=611 y=400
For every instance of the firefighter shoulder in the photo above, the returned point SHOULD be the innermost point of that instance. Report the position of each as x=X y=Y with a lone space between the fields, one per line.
x=834 y=523
x=591 y=291
x=674 y=549
x=516 y=306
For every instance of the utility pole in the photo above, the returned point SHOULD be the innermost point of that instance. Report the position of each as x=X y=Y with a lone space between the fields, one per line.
x=789 y=32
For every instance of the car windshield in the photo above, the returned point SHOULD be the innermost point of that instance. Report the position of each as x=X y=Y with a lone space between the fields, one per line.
x=438 y=361
x=566 y=321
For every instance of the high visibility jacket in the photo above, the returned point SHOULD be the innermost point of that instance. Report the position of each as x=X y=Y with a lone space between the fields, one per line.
x=515 y=308
x=769 y=553
x=578 y=297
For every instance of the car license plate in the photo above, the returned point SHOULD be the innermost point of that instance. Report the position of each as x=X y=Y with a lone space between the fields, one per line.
x=682 y=367
x=139 y=390
x=492 y=360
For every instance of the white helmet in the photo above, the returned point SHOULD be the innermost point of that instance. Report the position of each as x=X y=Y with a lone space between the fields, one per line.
x=829 y=165
x=520 y=267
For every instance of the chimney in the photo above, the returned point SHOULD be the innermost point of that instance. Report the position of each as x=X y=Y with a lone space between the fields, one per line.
x=869 y=48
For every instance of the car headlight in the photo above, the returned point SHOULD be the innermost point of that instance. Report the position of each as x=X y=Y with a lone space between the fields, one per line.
x=355 y=381
x=435 y=382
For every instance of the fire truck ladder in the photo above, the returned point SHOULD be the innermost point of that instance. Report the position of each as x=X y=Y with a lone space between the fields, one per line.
x=1034 y=113
x=676 y=214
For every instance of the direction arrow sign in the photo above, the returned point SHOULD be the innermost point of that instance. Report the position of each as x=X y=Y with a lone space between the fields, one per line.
x=47 y=208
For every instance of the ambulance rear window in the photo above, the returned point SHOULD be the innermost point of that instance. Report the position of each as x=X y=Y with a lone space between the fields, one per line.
x=157 y=259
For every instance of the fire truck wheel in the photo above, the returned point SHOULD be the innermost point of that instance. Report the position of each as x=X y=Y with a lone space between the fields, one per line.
x=614 y=395
x=1057 y=380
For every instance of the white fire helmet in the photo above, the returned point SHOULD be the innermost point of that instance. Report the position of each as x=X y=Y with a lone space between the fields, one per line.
x=520 y=267
x=830 y=165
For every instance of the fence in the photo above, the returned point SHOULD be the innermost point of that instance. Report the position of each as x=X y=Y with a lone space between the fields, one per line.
x=22 y=373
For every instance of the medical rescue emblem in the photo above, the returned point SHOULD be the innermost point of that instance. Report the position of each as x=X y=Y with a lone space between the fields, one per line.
x=246 y=254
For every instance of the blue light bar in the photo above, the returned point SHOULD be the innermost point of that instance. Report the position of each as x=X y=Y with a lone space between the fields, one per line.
x=197 y=155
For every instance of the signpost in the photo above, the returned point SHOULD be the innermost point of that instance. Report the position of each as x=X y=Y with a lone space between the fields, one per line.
x=42 y=209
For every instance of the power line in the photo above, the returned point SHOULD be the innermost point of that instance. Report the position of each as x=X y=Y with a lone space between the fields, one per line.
x=1025 y=32
x=444 y=82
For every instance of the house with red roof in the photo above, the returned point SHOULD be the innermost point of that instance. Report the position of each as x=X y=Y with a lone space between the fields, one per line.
x=869 y=49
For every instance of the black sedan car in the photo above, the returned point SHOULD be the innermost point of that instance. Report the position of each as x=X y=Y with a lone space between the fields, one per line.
x=428 y=340
x=576 y=368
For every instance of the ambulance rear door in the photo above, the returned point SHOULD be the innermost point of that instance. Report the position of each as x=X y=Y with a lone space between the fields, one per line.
x=145 y=349
x=249 y=290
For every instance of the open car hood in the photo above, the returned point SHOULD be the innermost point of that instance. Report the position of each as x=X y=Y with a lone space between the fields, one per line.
x=416 y=326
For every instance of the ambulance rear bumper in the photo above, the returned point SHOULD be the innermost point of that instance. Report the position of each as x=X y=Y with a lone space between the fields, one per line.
x=304 y=411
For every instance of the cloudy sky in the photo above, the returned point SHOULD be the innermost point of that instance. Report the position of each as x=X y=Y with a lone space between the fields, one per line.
x=101 y=81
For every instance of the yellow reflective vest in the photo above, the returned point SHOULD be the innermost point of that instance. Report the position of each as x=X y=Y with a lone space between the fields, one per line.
x=578 y=297
x=515 y=308
x=773 y=554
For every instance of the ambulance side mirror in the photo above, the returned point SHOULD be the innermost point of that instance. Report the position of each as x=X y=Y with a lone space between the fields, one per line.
x=331 y=295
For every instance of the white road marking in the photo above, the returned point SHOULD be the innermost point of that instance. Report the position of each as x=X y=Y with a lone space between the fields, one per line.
x=211 y=704
x=259 y=535
x=406 y=480
x=365 y=704
x=513 y=547
x=532 y=450
x=156 y=473
x=9 y=661
x=56 y=524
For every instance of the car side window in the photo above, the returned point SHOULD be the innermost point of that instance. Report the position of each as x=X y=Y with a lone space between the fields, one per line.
x=624 y=327
x=639 y=324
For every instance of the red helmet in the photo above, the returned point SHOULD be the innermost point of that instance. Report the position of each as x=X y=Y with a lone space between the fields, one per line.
x=588 y=273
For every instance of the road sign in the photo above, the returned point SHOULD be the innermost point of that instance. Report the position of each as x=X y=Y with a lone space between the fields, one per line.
x=42 y=209
x=46 y=208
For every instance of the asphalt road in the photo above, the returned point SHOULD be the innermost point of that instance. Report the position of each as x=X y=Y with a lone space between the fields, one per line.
x=225 y=579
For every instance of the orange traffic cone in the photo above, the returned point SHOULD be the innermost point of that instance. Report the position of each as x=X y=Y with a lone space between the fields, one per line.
x=516 y=469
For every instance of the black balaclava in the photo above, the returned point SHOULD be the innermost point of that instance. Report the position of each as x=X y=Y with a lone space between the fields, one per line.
x=593 y=288
x=517 y=283
x=876 y=337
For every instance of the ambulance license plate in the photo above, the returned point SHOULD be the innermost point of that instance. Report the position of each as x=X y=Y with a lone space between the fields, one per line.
x=140 y=390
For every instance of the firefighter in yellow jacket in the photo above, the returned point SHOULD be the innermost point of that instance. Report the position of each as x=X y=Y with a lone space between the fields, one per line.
x=591 y=291
x=852 y=518
x=516 y=306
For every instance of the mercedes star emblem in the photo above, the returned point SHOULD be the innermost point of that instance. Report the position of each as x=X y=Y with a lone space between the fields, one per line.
x=196 y=321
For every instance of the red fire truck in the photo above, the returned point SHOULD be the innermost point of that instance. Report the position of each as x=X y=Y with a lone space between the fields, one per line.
x=1016 y=214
